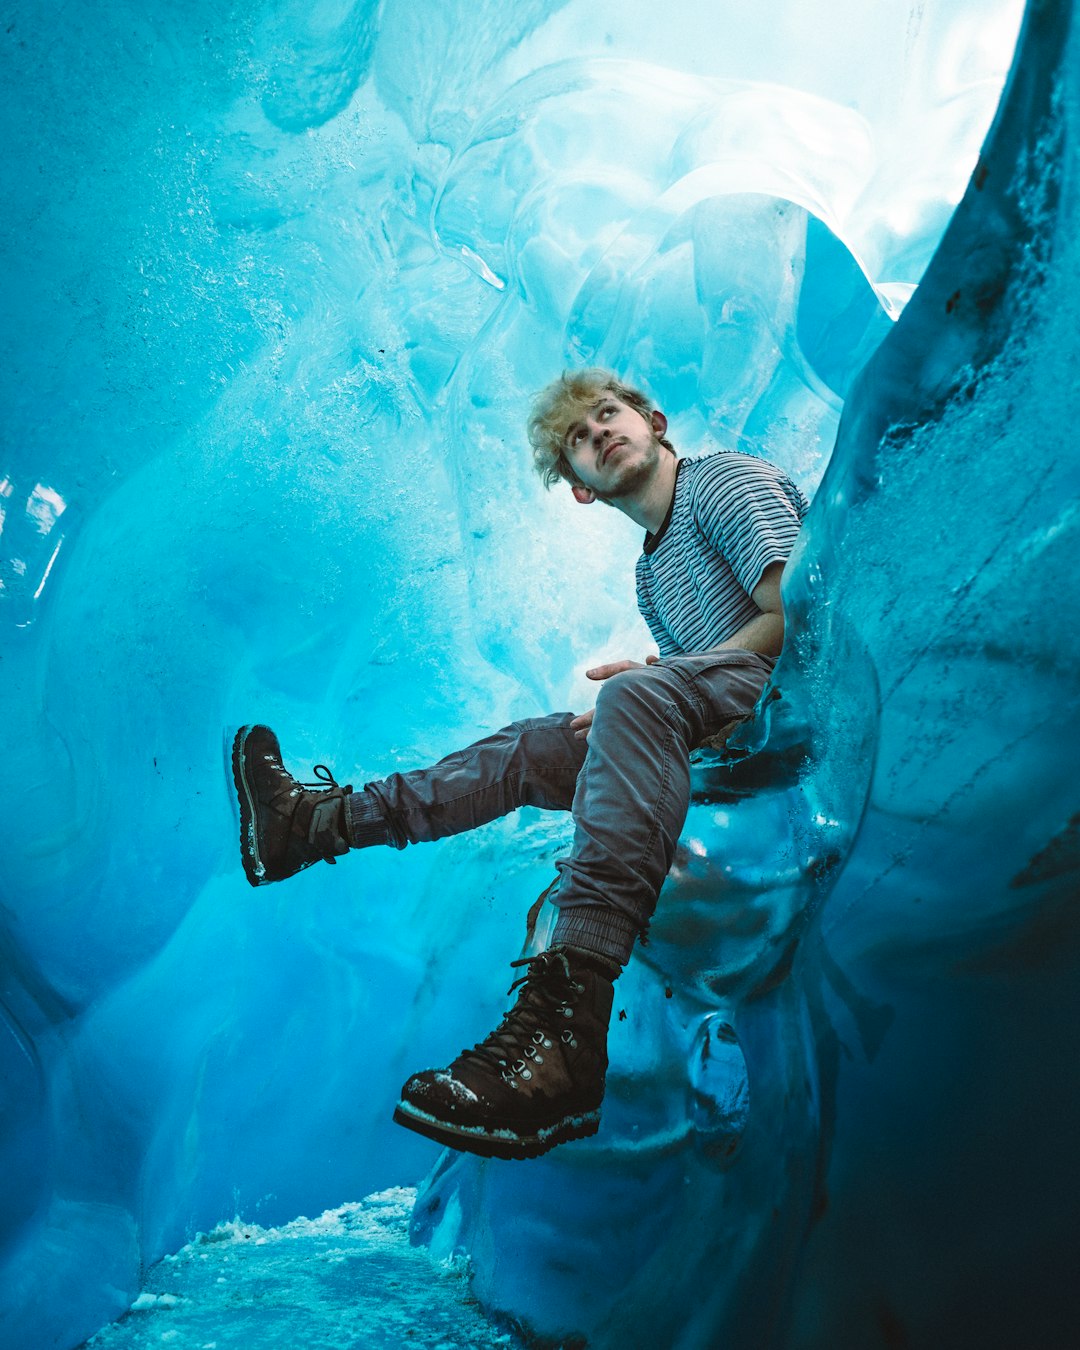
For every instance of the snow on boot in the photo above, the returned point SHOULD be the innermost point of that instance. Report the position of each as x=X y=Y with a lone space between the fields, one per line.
x=538 y=1079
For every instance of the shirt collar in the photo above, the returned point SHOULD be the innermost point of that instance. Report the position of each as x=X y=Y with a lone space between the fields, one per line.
x=652 y=541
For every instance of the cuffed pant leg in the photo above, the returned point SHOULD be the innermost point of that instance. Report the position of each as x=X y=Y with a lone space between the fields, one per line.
x=634 y=790
x=529 y=763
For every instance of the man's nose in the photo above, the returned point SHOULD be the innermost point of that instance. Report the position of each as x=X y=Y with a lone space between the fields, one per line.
x=600 y=433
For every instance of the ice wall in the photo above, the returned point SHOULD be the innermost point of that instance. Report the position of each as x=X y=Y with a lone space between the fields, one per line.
x=279 y=282
x=866 y=959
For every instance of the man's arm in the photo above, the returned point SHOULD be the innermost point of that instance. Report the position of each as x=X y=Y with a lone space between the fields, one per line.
x=765 y=634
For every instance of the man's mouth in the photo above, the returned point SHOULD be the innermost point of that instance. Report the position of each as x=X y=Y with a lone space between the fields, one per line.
x=611 y=445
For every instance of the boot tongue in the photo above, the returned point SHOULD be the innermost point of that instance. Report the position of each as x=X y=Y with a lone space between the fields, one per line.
x=321 y=820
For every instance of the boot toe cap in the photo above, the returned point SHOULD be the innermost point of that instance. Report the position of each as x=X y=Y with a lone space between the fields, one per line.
x=438 y=1091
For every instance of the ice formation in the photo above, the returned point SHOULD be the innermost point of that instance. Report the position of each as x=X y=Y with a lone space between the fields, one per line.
x=348 y=1278
x=280 y=279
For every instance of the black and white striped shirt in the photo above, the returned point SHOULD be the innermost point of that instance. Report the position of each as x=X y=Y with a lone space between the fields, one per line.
x=731 y=515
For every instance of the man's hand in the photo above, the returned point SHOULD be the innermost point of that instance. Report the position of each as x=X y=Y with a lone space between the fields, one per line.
x=582 y=724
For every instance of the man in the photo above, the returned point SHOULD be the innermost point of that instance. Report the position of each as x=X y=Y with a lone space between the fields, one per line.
x=719 y=530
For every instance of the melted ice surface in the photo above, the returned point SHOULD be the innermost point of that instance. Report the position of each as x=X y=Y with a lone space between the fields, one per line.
x=345 y=1279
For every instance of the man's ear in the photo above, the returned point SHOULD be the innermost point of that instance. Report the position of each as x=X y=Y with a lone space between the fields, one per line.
x=659 y=422
x=586 y=496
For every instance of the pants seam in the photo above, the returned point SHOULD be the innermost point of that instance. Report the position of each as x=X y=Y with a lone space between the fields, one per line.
x=655 y=812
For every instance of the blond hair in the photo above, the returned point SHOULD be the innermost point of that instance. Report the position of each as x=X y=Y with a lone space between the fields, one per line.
x=557 y=405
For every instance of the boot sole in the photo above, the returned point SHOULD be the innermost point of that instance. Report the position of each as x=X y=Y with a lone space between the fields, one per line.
x=254 y=869
x=505 y=1144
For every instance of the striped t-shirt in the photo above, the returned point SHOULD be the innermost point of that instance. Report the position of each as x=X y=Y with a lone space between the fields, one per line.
x=731 y=515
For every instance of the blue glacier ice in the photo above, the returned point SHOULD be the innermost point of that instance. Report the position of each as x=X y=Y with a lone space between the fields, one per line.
x=349 y=1277
x=279 y=280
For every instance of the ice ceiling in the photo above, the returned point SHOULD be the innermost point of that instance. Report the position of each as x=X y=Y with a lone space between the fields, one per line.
x=279 y=282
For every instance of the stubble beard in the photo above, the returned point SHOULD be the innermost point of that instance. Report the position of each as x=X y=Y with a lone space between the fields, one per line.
x=634 y=477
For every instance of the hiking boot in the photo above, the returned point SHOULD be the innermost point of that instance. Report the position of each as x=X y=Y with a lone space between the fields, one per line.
x=285 y=826
x=538 y=1079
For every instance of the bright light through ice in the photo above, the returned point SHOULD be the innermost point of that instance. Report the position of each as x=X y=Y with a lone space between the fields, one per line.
x=45 y=507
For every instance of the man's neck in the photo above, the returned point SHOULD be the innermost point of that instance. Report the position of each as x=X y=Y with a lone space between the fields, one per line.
x=648 y=507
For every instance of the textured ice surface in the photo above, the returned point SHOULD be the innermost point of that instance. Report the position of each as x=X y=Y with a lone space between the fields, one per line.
x=278 y=282
x=348 y=1278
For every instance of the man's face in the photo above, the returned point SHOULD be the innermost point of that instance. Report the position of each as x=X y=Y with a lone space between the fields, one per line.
x=612 y=448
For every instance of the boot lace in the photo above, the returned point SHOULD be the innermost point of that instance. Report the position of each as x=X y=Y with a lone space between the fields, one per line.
x=548 y=993
x=325 y=779
x=287 y=784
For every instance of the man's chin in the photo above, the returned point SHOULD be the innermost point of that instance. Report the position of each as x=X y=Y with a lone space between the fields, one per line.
x=630 y=481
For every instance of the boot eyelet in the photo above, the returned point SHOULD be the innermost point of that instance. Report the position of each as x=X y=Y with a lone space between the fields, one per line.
x=538 y=1038
x=530 y=1052
x=526 y=1073
x=568 y=1012
x=518 y=1066
x=547 y=1044
x=567 y=1038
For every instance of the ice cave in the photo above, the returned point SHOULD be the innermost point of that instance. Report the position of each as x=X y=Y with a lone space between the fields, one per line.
x=279 y=281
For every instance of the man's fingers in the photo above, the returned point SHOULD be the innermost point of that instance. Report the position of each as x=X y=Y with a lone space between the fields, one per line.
x=605 y=672
x=580 y=725
x=612 y=668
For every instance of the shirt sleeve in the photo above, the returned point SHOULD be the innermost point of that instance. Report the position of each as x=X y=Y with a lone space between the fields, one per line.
x=749 y=511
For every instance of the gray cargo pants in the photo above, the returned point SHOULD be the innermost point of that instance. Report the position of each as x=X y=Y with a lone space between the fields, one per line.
x=628 y=786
